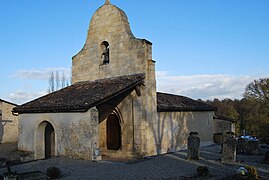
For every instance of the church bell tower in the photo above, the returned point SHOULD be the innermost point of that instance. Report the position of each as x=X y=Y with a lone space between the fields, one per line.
x=111 y=50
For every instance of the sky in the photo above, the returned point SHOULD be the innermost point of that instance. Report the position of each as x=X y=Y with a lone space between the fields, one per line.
x=204 y=49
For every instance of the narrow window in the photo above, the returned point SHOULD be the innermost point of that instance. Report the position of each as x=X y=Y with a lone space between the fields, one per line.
x=105 y=52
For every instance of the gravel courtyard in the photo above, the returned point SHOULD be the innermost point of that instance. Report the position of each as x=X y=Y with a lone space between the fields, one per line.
x=168 y=166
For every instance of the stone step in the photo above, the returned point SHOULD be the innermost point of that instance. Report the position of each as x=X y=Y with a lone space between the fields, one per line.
x=121 y=154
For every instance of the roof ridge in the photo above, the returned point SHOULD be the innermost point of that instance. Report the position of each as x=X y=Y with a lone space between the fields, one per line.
x=114 y=77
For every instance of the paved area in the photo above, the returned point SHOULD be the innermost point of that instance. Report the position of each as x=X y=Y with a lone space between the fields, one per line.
x=168 y=166
x=9 y=151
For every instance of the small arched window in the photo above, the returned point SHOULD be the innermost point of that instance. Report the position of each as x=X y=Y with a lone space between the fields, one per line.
x=105 y=52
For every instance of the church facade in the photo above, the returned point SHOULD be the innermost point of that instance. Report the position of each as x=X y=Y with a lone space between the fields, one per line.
x=112 y=108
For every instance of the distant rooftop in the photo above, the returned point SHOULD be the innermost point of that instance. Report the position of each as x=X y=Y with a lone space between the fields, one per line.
x=223 y=118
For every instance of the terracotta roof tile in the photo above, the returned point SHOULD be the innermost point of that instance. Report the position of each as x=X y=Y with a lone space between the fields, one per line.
x=170 y=102
x=81 y=96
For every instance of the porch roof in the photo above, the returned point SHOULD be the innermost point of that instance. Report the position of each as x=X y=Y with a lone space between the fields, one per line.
x=82 y=96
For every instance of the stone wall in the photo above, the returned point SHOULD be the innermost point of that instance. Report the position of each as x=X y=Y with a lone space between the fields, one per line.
x=221 y=126
x=76 y=134
x=172 y=129
x=134 y=123
x=8 y=130
x=168 y=132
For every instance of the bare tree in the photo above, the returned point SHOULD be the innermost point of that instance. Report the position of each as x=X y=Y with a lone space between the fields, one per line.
x=57 y=81
x=51 y=83
x=63 y=81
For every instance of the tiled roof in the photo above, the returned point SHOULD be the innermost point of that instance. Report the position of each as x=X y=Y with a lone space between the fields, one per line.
x=82 y=96
x=224 y=118
x=170 y=102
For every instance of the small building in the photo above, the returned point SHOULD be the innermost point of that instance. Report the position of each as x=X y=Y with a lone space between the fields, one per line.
x=8 y=122
x=221 y=126
x=112 y=106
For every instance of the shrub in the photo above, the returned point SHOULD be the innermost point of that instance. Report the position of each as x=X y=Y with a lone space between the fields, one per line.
x=252 y=172
x=202 y=171
x=53 y=172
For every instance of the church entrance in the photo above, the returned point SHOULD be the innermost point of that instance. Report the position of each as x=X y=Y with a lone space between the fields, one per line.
x=49 y=141
x=45 y=141
x=113 y=131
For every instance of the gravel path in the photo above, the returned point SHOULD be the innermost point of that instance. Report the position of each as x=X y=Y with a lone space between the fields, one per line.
x=169 y=166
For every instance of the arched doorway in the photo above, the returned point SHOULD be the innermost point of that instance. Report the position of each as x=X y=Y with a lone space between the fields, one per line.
x=113 y=132
x=45 y=140
x=49 y=141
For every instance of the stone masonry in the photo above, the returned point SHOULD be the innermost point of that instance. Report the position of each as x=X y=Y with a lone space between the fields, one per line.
x=229 y=148
x=8 y=123
x=127 y=55
x=193 y=146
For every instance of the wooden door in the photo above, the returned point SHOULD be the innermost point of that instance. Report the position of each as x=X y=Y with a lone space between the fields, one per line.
x=49 y=141
x=113 y=132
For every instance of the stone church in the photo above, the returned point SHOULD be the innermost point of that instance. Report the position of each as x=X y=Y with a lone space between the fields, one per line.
x=112 y=108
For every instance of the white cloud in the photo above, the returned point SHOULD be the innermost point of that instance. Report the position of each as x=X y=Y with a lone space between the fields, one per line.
x=21 y=96
x=40 y=74
x=28 y=90
x=204 y=86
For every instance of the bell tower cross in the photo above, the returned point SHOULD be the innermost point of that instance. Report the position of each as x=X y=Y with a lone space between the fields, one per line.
x=107 y=2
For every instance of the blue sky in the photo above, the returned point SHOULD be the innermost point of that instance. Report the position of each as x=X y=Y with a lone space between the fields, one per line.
x=204 y=48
